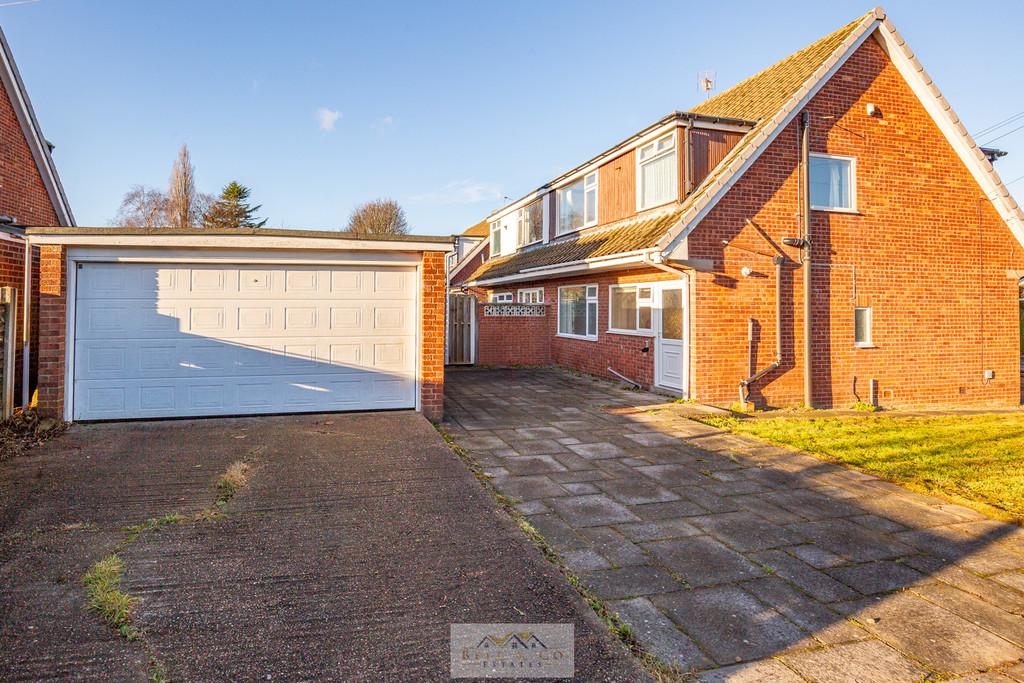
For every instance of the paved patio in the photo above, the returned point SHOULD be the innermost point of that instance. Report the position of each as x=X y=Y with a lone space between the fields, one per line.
x=739 y=559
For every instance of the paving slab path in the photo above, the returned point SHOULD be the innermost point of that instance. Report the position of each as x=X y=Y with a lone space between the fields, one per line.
x=738 y=560
x=359 y=540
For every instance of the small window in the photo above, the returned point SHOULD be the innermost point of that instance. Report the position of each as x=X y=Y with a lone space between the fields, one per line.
x=495 y=239
x=862 y=327
x=533 y=295
x=501 y=297
x=630 y=308
x=577 y=311
x=577 y=205
x=531 y=223
x=657 y=176
x=832 y=182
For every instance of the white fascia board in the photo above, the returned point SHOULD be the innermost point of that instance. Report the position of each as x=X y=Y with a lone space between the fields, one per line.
x=951 y=126
x=752 y=151
x=590 y=265
x=236 y=242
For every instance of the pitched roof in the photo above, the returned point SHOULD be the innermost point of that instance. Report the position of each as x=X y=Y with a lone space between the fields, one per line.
x=481 y=229
x=40 y=147
x=632 y=234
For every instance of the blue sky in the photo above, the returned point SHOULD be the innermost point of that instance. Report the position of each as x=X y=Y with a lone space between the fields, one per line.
x=445 y=106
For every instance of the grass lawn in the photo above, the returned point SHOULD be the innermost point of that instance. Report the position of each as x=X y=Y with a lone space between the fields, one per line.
x=973 y=459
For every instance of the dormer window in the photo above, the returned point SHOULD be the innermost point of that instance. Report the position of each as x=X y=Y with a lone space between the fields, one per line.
x=657 y=173
x=531 y=222
x=495 y=239
x=577 y=205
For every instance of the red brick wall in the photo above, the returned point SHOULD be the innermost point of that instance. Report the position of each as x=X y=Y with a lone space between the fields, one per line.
x=24 y=197
x=621 y=352
x=503 y=341
x=468 y=267
x=52 y=321
x=930 y=256
x=431 y=367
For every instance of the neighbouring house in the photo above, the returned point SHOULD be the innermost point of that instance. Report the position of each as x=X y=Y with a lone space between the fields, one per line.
x=824 y=232
x=165 y=322
x=30 y=194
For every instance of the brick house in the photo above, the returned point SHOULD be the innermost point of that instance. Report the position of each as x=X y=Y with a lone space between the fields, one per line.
x=30 y=194
x=822 y=233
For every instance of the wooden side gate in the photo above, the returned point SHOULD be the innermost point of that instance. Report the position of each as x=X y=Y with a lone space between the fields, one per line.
x=460 y=345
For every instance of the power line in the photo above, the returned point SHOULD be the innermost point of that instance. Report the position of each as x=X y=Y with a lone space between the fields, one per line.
x=1002 y=123
x=1000 y=137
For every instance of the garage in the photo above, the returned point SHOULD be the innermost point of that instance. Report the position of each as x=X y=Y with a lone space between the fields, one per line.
x=298 y=326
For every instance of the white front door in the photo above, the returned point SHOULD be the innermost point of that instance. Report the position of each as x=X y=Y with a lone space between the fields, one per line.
x=670 y=338
x=179 y=339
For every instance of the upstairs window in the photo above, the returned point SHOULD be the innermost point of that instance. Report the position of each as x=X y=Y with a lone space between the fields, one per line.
x=862 y=327
x=577 y=205
x=833 y=182
x=531 y=222
x=658 y=172
x=630 y=309
x=495 y=239
x=577 y=311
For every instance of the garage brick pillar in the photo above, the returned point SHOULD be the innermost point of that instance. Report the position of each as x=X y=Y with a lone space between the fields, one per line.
x=53 y=288
x=432 y=335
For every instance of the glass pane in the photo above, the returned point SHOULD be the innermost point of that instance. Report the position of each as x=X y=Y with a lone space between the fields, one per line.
x=570 y=208
x=592 y=319
x=590 y=180
x=862 y=325
x=830 y=183
x=624 y=308
x=644 y=294
x=535 y=221
x=658 y=181
x=590 y=214
x=572 y=310
x=644 y=318
x=672 y=314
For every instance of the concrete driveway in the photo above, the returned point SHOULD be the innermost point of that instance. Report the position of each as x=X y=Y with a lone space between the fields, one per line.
x=358 y=541
x=738 y=559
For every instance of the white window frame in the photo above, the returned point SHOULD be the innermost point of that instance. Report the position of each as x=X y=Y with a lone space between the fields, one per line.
x=640 y=164
x=588 y=299
x=853 y=183
x=535 y=293
x=495 y=230
x=589 y=182
x=502 y=298
x=869 y=342
x=649 y=302
x=521 y=215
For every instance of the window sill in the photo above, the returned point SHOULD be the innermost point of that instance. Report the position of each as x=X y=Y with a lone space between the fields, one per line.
x=632 y=333
x=575 y=336
x=864 y=346
x=852 y=212
x=655 y=206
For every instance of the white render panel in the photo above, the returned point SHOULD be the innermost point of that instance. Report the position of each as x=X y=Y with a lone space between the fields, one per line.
x=169 y=340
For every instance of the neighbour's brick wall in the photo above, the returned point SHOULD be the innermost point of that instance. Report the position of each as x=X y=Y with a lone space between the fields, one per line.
x=467 y=267
x=52 y=321
x=621 y=352
x=23 y=197
x=432 y=330
x=931 y=259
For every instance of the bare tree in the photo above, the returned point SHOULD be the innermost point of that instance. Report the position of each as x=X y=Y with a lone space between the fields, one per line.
x=142 y=207
x=182 y=209
x=379 y=217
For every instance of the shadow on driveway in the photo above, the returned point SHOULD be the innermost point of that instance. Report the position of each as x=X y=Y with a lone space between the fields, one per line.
x=739 y=559
x=360 y=539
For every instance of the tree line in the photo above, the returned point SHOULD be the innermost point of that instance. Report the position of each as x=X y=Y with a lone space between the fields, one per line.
x=183 y=206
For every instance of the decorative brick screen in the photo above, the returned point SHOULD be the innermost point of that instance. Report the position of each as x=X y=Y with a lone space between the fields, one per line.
x=515 y=310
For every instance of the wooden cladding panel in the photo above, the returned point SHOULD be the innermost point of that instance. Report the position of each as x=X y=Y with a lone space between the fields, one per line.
x=707 y=148
x=616 y=188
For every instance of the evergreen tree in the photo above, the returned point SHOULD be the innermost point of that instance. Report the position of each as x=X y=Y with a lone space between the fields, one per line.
x=232 y=210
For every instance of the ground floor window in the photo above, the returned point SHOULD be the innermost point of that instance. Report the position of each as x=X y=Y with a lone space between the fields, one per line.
x=577 y=311
x=501 y=297
x=533 y=295
x=630 y=307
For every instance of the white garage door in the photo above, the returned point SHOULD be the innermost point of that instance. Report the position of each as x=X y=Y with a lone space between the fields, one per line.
x=161 y=340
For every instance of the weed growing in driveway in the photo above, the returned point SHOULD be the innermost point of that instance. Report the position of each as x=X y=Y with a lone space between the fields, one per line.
x=234 y=479
x=103 y=586
x=661 y=672
x=151 y=524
